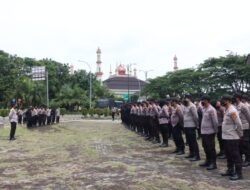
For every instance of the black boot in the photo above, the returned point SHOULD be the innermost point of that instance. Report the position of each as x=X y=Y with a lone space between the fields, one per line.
x=174 y=152
x=181 y=152
x=246 y=163
x=229 y=172
x=189 y=156
x=205 y=164
x=164 y=145
x=212 y=166
x=238 y=173
x=195 y=158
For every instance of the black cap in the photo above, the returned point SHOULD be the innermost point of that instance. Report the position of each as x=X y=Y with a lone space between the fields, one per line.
x=237 y=95
x=245 y=97
x=226 y=97
x=174 y=99
x=187 y=96
x=205 y=97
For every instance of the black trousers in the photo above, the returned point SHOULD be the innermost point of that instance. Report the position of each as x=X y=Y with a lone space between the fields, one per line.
x=170 y=130
x=232 y=151
x=113 y=116
x=208 y=143
x=147 y=125
x=29 y=122
x=178 y=139
x=220 y=140
x=192 y=141
x=245 y=145
x=140 y=124
x=48 y=120
x=164 y=129
x=20 y=118
x=155 y=128
x=12 y=130
x=57 y=119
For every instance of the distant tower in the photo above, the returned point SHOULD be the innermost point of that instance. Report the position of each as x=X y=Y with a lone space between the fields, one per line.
x=175 y=63
x=99 y=72
x=110 y=71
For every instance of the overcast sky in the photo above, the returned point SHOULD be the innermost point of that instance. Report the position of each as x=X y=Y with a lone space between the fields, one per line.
x=146 y=32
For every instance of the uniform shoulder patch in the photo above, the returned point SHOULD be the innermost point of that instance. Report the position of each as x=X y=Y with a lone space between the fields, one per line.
x=233 y=115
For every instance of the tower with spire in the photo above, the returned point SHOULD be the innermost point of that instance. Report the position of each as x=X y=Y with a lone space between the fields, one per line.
x=99 y=72
x=175 y=63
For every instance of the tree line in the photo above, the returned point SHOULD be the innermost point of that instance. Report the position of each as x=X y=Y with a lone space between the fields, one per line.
x=65 y=90
x=215 y=77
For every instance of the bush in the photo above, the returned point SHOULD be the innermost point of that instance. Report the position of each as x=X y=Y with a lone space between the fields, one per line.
x=4 y=112
x=91 y=112
x=63 y=111
x=106 y=111
x=84 y=111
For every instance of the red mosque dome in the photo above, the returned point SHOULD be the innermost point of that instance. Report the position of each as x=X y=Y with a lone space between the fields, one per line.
x=121 y=70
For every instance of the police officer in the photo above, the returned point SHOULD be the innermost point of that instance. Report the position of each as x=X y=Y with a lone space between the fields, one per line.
x=177 y=123
x=209 y=127
x=13 y=121
x=244 y=114
x=132 y=117
x=155 y=123
x=164 y=121
x=191 y=123
x=20 y=116
x=28 y=115
x=220 y=114
x=231 y=134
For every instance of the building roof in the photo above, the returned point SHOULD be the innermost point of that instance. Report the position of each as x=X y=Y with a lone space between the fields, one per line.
x=123 y=82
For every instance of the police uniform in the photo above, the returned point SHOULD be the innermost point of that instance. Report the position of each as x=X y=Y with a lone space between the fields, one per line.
x=155 y=123
x=220 y=114
x=191 y=123
x=209 y=127
x=13 y=121
x=163 y=118
x=231 y=134
x=177 y=124
x=244 y=114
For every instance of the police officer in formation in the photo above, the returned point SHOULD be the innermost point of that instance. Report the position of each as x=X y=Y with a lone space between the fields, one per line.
x=228 y=119
x=41 y=116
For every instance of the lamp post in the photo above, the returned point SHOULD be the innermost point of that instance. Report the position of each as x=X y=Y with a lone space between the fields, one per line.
x=146 y=73
x=90 y=83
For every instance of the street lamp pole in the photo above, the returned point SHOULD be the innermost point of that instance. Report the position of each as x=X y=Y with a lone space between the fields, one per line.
x=146 y=73
x=90 y=83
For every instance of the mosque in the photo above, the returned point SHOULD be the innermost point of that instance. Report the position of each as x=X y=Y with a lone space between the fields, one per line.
x=124 y=82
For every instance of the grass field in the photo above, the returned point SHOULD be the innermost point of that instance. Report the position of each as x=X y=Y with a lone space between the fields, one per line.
x=99 y=155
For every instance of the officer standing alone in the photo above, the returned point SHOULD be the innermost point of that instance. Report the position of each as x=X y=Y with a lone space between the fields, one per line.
x=13 y=121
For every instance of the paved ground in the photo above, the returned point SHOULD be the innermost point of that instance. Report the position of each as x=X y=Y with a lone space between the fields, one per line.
x=99 y=155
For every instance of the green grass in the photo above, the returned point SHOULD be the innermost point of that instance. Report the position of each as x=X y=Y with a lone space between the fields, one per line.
x=98 y=155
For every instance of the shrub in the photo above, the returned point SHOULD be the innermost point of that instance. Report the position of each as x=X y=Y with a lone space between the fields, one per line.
x=106 y=111
x=91 y=111
x=4 y=112
x=84 y=111
x=63 y=111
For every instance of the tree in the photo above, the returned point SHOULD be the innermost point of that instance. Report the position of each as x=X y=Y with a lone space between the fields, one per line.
x=215 y=77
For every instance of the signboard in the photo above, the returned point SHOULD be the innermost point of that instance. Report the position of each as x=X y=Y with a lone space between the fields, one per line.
x=38 y=73
x=125 y=96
